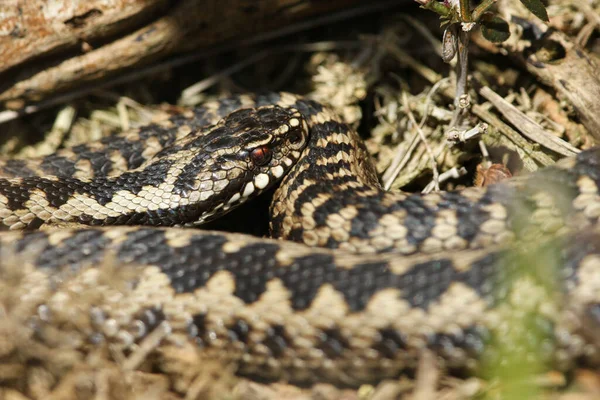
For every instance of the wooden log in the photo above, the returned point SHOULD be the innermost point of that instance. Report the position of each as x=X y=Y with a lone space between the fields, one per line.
x=51 y=46
x=555 y=60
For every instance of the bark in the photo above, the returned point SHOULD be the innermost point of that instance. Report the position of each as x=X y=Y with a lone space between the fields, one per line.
x=29 y=29
x=573 y=73
x=50 y=46
x=557 y=61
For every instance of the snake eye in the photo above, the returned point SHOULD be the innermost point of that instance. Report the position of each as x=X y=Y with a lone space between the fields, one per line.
x=261 y=155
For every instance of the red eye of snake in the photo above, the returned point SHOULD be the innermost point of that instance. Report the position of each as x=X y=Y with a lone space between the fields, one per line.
x=261 y=155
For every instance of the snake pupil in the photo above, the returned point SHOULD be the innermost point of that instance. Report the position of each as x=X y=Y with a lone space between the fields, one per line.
x=261 y=155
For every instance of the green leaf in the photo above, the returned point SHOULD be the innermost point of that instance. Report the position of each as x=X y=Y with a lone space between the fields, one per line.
x=537 y=8
x=494 y=28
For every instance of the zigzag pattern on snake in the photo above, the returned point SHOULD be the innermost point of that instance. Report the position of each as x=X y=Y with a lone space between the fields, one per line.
x=435 y=272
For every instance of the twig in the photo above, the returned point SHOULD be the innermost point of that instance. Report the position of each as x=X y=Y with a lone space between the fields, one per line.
x=147 y=345
x=425 y=32
x=214 y=79
x=452 y=173
x=206 y=83
x=590 y=14
x=401 y=158
x=513 y=136
x=462 y=72
x=410 y=115
x=62 y=125
x=430 y=94
x=428 y=375
x=527 y=126
x=406 y=59
x=456 y=136
x=399 y=162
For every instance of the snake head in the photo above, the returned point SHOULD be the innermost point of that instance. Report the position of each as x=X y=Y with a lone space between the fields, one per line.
x=199 y=177
x=238 y=158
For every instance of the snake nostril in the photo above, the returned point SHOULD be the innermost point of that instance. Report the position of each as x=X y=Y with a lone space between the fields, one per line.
x=295 y=137
x=261 y=155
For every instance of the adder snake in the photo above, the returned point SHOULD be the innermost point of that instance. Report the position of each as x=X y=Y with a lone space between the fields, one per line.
x=375 y=279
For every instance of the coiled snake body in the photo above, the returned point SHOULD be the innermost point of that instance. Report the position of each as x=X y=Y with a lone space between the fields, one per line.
x=376 y=279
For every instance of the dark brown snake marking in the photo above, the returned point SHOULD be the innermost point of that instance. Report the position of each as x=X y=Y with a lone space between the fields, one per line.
x=197 y=175
x=284 y=310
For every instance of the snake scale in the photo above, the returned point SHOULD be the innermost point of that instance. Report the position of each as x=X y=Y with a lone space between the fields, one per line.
x=356 y=285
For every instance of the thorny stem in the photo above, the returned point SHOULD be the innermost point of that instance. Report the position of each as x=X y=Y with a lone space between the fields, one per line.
x=467 y=18
x=481 y=8
x=435 y=6
x=465 y=14
x=462 y=71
